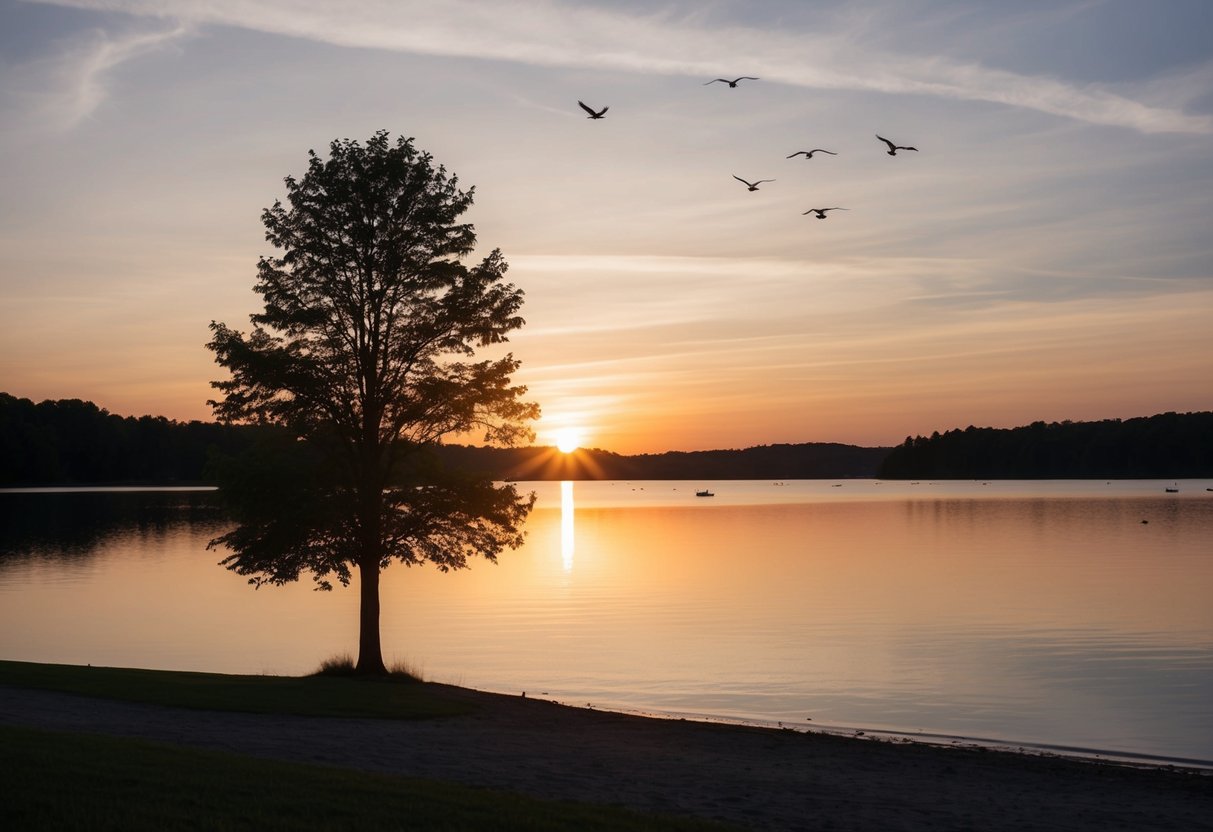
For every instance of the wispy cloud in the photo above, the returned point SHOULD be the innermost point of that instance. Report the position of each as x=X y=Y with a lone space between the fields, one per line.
x=548 y=33
x=60 y=91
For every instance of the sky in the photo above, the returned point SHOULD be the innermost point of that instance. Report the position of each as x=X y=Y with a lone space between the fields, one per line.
x=1045 y=254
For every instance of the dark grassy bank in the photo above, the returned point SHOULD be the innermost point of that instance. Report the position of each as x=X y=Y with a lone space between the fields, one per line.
x=77 y=782
x=758 y=778
x=124 y=784
x=391 y=698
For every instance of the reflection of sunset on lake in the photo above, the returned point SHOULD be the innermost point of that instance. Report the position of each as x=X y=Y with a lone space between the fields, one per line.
x=927 y=613
x=1040 y=612
x=568 y=529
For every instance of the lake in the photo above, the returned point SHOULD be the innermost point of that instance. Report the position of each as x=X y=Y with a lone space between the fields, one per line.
x=1075 y=614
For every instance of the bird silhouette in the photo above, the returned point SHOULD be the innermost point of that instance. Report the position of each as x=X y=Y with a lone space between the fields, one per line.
x=893 y=148
x=808 y=154
x=753 y=186
x=732 y=83
x=821 y=212
x=590 y=110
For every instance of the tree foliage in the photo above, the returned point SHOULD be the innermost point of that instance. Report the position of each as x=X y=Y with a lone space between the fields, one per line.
x=69 y=442
x=363 y=353
x=1166 y=445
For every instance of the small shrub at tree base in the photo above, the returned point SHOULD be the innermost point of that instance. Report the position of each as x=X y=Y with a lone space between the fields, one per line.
x=340 y=665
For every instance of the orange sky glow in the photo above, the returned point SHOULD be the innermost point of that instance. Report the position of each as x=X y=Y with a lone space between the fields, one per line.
x=1044 y=255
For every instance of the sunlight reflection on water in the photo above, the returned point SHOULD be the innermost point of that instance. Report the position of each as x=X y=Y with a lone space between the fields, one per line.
x=1031 y=612
x=567 y=529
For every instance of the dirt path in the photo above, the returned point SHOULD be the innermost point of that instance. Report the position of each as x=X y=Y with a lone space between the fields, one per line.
x=754 y=777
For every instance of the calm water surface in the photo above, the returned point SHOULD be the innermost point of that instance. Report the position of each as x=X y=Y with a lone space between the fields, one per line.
x=1024 y=612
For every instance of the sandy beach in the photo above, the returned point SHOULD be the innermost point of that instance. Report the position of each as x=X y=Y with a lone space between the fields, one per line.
x=758 y=778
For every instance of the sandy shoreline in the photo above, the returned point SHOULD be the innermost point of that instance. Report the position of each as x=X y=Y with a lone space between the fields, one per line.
x=759 y=778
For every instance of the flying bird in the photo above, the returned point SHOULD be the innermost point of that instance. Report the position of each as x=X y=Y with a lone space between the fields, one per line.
x=893 y=148
x=732 y=83
x=753 y=186
x=808 y=154
x=590 y=110
x=821 y=212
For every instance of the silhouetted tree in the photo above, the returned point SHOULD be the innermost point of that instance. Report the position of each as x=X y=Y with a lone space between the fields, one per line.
x=363 y=354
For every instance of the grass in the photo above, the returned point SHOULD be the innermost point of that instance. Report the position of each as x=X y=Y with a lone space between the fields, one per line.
x=80 y=782
x=394 y=697
x=342 y=665
x=69 y=781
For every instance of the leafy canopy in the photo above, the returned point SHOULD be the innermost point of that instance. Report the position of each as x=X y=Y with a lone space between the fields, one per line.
x=363 y=357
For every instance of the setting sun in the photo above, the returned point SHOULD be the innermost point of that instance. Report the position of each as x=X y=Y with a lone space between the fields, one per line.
x=567 y=439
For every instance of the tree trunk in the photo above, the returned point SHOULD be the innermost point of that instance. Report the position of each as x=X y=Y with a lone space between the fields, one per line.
x=370 y=510
x=370 y=651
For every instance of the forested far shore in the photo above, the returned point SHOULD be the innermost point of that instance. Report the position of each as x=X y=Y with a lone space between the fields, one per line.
x=1169 y=445
x=75 y=442
x=809 y=460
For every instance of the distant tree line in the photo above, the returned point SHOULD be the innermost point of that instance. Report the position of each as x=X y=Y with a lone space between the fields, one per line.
x=72 y=441
x=766 y=462
x=75 y=442
x=1167 y=445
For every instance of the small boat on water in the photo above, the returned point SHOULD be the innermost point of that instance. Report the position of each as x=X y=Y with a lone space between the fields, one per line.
x=1172 y=490
x=704 y=493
